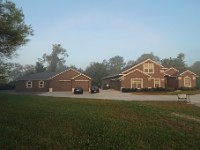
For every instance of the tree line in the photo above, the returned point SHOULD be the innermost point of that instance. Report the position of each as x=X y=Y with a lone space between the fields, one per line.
x=14 y=33
x=55 y=62
x=115 y=64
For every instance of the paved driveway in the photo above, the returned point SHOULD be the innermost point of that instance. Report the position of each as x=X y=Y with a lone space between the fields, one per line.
x=117 y=95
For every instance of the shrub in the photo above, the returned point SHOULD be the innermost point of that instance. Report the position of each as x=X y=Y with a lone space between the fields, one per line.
x=170 y=89
x=128 y=90
x=7 y=86
x=187 y=89
x=159 y=89
x=146 y=90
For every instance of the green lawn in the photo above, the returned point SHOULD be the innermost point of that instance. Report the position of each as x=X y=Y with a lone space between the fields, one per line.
x=33 y=122
x=192 y=92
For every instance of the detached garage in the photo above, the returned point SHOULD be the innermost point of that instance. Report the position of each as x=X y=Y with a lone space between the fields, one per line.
x=48 y=81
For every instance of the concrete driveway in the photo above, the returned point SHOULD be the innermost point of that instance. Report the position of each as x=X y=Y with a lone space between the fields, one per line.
x=117 y=95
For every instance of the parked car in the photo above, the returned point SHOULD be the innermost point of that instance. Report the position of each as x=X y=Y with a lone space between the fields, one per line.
x=94 y=89
x=78 y=90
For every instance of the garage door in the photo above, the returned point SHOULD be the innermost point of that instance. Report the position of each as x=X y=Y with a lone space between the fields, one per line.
x=83 y=84
x=65 y=86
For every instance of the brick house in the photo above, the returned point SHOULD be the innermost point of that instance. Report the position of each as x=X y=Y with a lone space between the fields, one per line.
x=52 y=81
x=150 y=74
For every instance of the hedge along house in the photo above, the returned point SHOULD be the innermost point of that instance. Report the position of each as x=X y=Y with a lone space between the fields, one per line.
x=150 y=74
x=52 y=81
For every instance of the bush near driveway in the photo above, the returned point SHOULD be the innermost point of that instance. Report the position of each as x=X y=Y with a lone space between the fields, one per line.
x=161 y=91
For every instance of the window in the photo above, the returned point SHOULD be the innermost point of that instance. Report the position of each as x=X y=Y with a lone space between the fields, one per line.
x=187 y=82
x=148 y=68
x=137 y=83
x=41 y=84
x=28 y=84
x=156 y=83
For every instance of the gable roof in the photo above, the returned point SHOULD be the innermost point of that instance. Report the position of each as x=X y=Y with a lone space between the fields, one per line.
x=171 y=69
x=170 y=74
x=138 y=71
x=81 y=75
x=142 y=63
x=126 y=71
x=64 y=72
x=189 y=72
x=112 y=76
x=39 y=76
x=173 y=75
x=49 y=75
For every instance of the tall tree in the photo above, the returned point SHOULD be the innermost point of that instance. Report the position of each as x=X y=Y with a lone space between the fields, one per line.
x=148 y=56
x=13 y=33
x=60 y=66
x=29 y=69
x=130 y=63
x=39 y=67
x=177 y=62
x=74 y=67
x=181 y=65
x=116 y=64
x=56 y=58
x=96 y=71
x=168 y=62
x=16 y=71
x=3 y=72
x=13 y=30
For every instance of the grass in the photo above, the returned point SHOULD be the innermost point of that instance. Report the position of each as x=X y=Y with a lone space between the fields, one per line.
x=33 y=122
x=192 y=92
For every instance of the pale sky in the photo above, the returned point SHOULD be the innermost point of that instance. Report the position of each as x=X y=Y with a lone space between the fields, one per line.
x=94 y=30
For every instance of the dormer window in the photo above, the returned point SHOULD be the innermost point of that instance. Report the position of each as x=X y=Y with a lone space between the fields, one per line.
x=148 y=67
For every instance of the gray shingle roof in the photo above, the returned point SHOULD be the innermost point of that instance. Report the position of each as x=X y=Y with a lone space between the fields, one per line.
x=39 y=76
x=111 y=76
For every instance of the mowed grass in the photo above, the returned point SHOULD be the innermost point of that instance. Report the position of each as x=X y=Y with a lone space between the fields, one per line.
x=168 y=93
x=33 y=122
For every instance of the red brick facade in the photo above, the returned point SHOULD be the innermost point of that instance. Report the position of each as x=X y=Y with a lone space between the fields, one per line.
x=64 y=81
x=21 y=86
x=150 y=74
x=187 y=79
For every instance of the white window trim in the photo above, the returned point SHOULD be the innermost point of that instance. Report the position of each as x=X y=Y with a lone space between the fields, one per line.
x=41 y=85
x=155 y=82
x=132 y=79
x=190 y=85
x=148 y=64
x=29 y=84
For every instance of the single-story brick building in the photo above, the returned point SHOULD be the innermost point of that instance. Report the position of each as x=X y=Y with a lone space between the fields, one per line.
x=53 y=81
x=150 y=74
